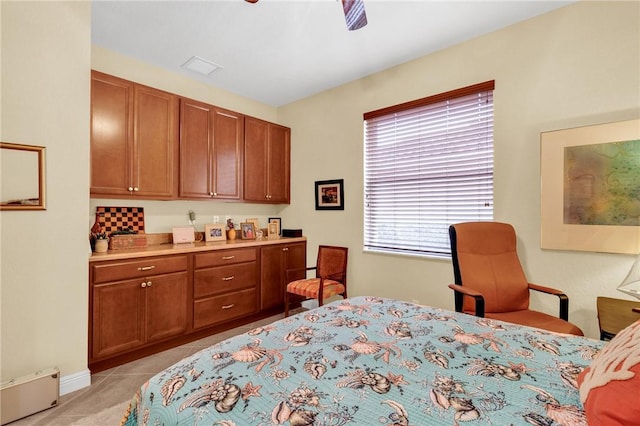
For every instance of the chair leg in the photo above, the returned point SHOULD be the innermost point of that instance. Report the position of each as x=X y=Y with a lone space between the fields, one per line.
x=286 y=303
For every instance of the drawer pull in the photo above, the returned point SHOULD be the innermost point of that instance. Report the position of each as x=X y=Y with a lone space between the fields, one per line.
x=228 y=306
x=146 y=268
x=227 y=257
x=228 y=278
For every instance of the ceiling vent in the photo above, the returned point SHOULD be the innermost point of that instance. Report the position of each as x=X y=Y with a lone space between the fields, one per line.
x=200 y=65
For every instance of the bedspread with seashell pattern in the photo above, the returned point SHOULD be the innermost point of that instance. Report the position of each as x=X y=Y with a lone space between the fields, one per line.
x=374 y=361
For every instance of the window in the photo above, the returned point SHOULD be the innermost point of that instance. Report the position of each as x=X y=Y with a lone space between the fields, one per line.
x=428 y=164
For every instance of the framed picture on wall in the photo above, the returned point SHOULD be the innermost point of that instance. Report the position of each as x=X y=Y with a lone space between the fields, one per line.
x=330 y=194
x=589 y=188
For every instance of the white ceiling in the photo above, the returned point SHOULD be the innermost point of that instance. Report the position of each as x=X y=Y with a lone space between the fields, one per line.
x=278 y=51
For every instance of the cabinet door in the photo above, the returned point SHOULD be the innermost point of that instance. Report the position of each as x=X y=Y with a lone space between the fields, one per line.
x=266 y=161
x=278 y=164
x=271 y=276
x=211 y=150
x=155 y=143
x=165 y=305
x=228 y=152
x=111 y=130
x=295 y=258
x=134 y=142
x=195 y=149
x=117 y=317
x=274 y=262
x=255 y=159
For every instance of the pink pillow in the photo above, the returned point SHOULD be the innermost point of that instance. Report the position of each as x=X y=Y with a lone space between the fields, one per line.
x=610 y=386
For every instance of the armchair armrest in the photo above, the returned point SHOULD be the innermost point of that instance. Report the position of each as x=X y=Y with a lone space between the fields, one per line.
x=564 y=299
x=461 y=291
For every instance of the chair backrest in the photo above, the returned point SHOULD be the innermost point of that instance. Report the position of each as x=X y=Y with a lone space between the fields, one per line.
x=332 y=261
x=485 y=259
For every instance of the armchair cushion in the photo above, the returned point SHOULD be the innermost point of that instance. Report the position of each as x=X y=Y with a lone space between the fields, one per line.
x=536 y=319
x=310 y=288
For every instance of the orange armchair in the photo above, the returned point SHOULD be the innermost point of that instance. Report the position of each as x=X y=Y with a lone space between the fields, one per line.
x=330 y=279
x=490 y=282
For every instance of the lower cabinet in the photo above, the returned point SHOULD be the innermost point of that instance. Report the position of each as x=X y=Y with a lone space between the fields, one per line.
x=274 y=262
x=225 y=286
x=134 y=303
x=145 y=305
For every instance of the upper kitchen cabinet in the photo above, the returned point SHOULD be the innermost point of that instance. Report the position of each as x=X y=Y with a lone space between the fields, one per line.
x=266 y=161
x=211 y=150
x=134 y=139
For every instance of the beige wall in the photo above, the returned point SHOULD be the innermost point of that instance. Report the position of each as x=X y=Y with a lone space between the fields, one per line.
x=46 y=53
x=576 y=66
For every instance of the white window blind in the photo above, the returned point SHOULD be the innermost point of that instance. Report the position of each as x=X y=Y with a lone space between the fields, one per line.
x=428 y=164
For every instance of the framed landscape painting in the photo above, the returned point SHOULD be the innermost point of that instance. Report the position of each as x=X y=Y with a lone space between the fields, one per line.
x=590 y=188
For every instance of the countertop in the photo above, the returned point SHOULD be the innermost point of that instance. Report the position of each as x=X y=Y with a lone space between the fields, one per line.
x=168 y=248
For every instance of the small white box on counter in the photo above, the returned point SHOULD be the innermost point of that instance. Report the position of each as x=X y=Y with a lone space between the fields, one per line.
x=183 y=235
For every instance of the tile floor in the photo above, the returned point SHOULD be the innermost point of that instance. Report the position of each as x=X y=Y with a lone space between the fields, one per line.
x=113 y=386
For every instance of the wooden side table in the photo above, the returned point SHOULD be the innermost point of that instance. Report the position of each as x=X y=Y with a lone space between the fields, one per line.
x=615 y=314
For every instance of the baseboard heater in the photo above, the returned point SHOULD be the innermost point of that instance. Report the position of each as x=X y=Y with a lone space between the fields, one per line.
x=29 y=394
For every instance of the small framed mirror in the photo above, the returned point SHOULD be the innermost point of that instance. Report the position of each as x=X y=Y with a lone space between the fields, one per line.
x=22 y=179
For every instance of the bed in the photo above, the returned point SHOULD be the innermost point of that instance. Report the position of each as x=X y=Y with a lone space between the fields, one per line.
x=374 y=361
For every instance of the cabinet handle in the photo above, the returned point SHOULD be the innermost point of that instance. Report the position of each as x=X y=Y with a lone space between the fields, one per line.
x=149 y=283
x=228 y=306
x=228 y=278
x=215 y=193
x=285 y=249
x=135 y=189
x=143 y=285
x=227 y=257
x=130 y=189
x=146 y=268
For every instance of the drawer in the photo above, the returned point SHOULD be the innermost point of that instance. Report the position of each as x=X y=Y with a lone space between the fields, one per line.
x=115 y=271
x=224 y=257
x=223 y=279
x=218 y=309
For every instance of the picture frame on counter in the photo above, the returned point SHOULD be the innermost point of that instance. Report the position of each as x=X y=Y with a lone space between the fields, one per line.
x=255 y=221
x=278 y=222
x=273 y=230
x=248 y=231
x=214 y=232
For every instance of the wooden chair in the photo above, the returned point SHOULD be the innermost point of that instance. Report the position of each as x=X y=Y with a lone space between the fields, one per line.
x=490 y=281
x=615 y=314
x=330 y=278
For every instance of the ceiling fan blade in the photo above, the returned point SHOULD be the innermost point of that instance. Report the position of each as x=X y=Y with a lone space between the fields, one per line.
x=354 y=14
